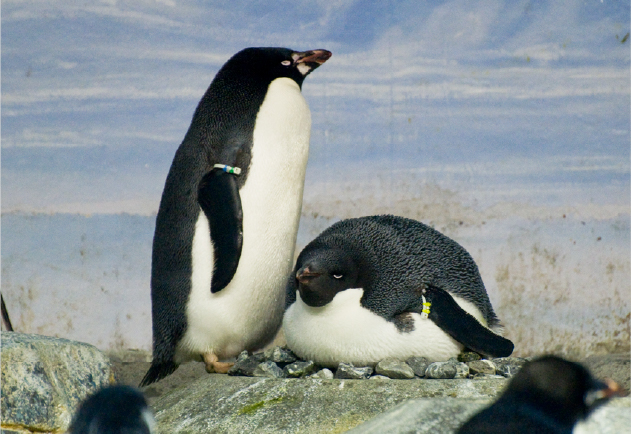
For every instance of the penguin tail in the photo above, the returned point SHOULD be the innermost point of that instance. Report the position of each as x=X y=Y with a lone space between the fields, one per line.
x=157 y=372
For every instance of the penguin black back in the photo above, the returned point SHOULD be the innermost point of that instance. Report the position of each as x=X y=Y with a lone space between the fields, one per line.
x=113 y=410
x=548 y=395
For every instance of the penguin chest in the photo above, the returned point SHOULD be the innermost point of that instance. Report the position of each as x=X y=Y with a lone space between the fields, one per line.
x=345 y=331
x=247 y=313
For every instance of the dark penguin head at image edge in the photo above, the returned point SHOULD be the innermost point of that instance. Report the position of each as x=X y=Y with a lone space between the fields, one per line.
x=548 y=395
x=114 y=410
x=386 y=286
x=222 y=202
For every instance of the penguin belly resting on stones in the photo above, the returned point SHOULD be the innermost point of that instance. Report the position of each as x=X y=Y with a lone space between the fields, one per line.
x=381 y=287
x=228 y=217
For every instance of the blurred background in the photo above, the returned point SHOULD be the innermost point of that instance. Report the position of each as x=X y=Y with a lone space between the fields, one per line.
x=505 y=125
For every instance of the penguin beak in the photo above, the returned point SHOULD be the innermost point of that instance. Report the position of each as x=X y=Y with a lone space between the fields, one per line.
x=307 y=61
x=317 y=56
x=305 y=274
x=603 y=390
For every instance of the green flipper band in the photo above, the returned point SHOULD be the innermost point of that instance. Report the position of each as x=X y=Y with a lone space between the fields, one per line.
x=228 y=169
x=426 y=306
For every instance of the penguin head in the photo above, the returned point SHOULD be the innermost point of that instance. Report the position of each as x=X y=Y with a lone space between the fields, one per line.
x=322 y=273
x=564 y=390
x=113 y=410
x=272 y=62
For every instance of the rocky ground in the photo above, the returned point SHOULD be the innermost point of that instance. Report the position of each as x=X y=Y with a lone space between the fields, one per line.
x=130 y=367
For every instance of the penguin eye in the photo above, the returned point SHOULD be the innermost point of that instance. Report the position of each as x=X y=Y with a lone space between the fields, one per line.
x=286 y=62
x=338 y=276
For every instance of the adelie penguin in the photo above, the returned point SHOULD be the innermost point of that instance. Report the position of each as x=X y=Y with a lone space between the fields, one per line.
x=377 y=287
x=114 y=410
x=547 y=396
x=228 y=218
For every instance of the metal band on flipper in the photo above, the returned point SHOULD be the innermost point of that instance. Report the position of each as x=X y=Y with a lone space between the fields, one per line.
x=218 y=196
x=463 y=327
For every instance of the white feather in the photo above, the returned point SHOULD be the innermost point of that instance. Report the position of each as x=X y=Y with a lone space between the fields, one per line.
x=344 y=331
x=250 y=308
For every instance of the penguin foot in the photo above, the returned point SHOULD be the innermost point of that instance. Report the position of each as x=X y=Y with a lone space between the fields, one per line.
x=214 y=365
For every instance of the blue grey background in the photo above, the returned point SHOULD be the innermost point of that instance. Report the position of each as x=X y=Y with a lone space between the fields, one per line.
x=503 y=124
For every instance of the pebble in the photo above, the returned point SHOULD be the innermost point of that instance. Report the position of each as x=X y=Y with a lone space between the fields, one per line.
x=300 y=369
x=379 y=377
x=280 y=355
x=393 y=368
x=482 y=367
x=508 y=366
x=268 y=369
x=462 y=370
x=441 y=370
x=349 y=371
x=246 y=364
x=324 y=374
x=418 y=364
x=468 y=356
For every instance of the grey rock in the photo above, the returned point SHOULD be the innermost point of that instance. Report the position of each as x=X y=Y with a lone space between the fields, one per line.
x=44 y=379
x=300 y=369
x=324 y=374
x=485 y=376
x=441 y=370
x=485 y=367
x=446 y=415
x=508 y=366
x=418 y=364
x=223 y=404
x=350 y=372
x=393 y=368
x=462 y=369
x=268 y=369
x=280 y=355
x=468 y=356
x=246 y=364
x=379 y=377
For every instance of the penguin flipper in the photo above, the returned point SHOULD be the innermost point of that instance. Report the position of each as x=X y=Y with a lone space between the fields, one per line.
x=218 y=196
x=463 y=327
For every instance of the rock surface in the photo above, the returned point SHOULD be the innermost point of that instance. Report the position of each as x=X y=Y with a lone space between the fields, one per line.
x=44 y=379
x=445 y=415
x=220 y=403
x=396 y=369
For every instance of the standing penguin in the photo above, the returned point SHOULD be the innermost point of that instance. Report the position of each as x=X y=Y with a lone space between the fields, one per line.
x=228 y=218
x=376 y=287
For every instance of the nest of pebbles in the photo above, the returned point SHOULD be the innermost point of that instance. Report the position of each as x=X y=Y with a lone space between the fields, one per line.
x=281 y=362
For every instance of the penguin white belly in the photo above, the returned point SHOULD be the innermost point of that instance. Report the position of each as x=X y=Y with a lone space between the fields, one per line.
x=248 y=311
x=344 y=331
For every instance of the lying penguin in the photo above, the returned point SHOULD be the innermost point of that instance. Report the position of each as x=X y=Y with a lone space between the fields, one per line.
x=548 y=396
x=375 y=287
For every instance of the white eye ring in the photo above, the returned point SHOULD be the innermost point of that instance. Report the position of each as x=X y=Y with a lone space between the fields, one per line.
x=337 y=276
x=286 y=62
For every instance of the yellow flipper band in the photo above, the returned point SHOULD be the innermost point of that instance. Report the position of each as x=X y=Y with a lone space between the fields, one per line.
x=426 y=306
x=228 y=169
